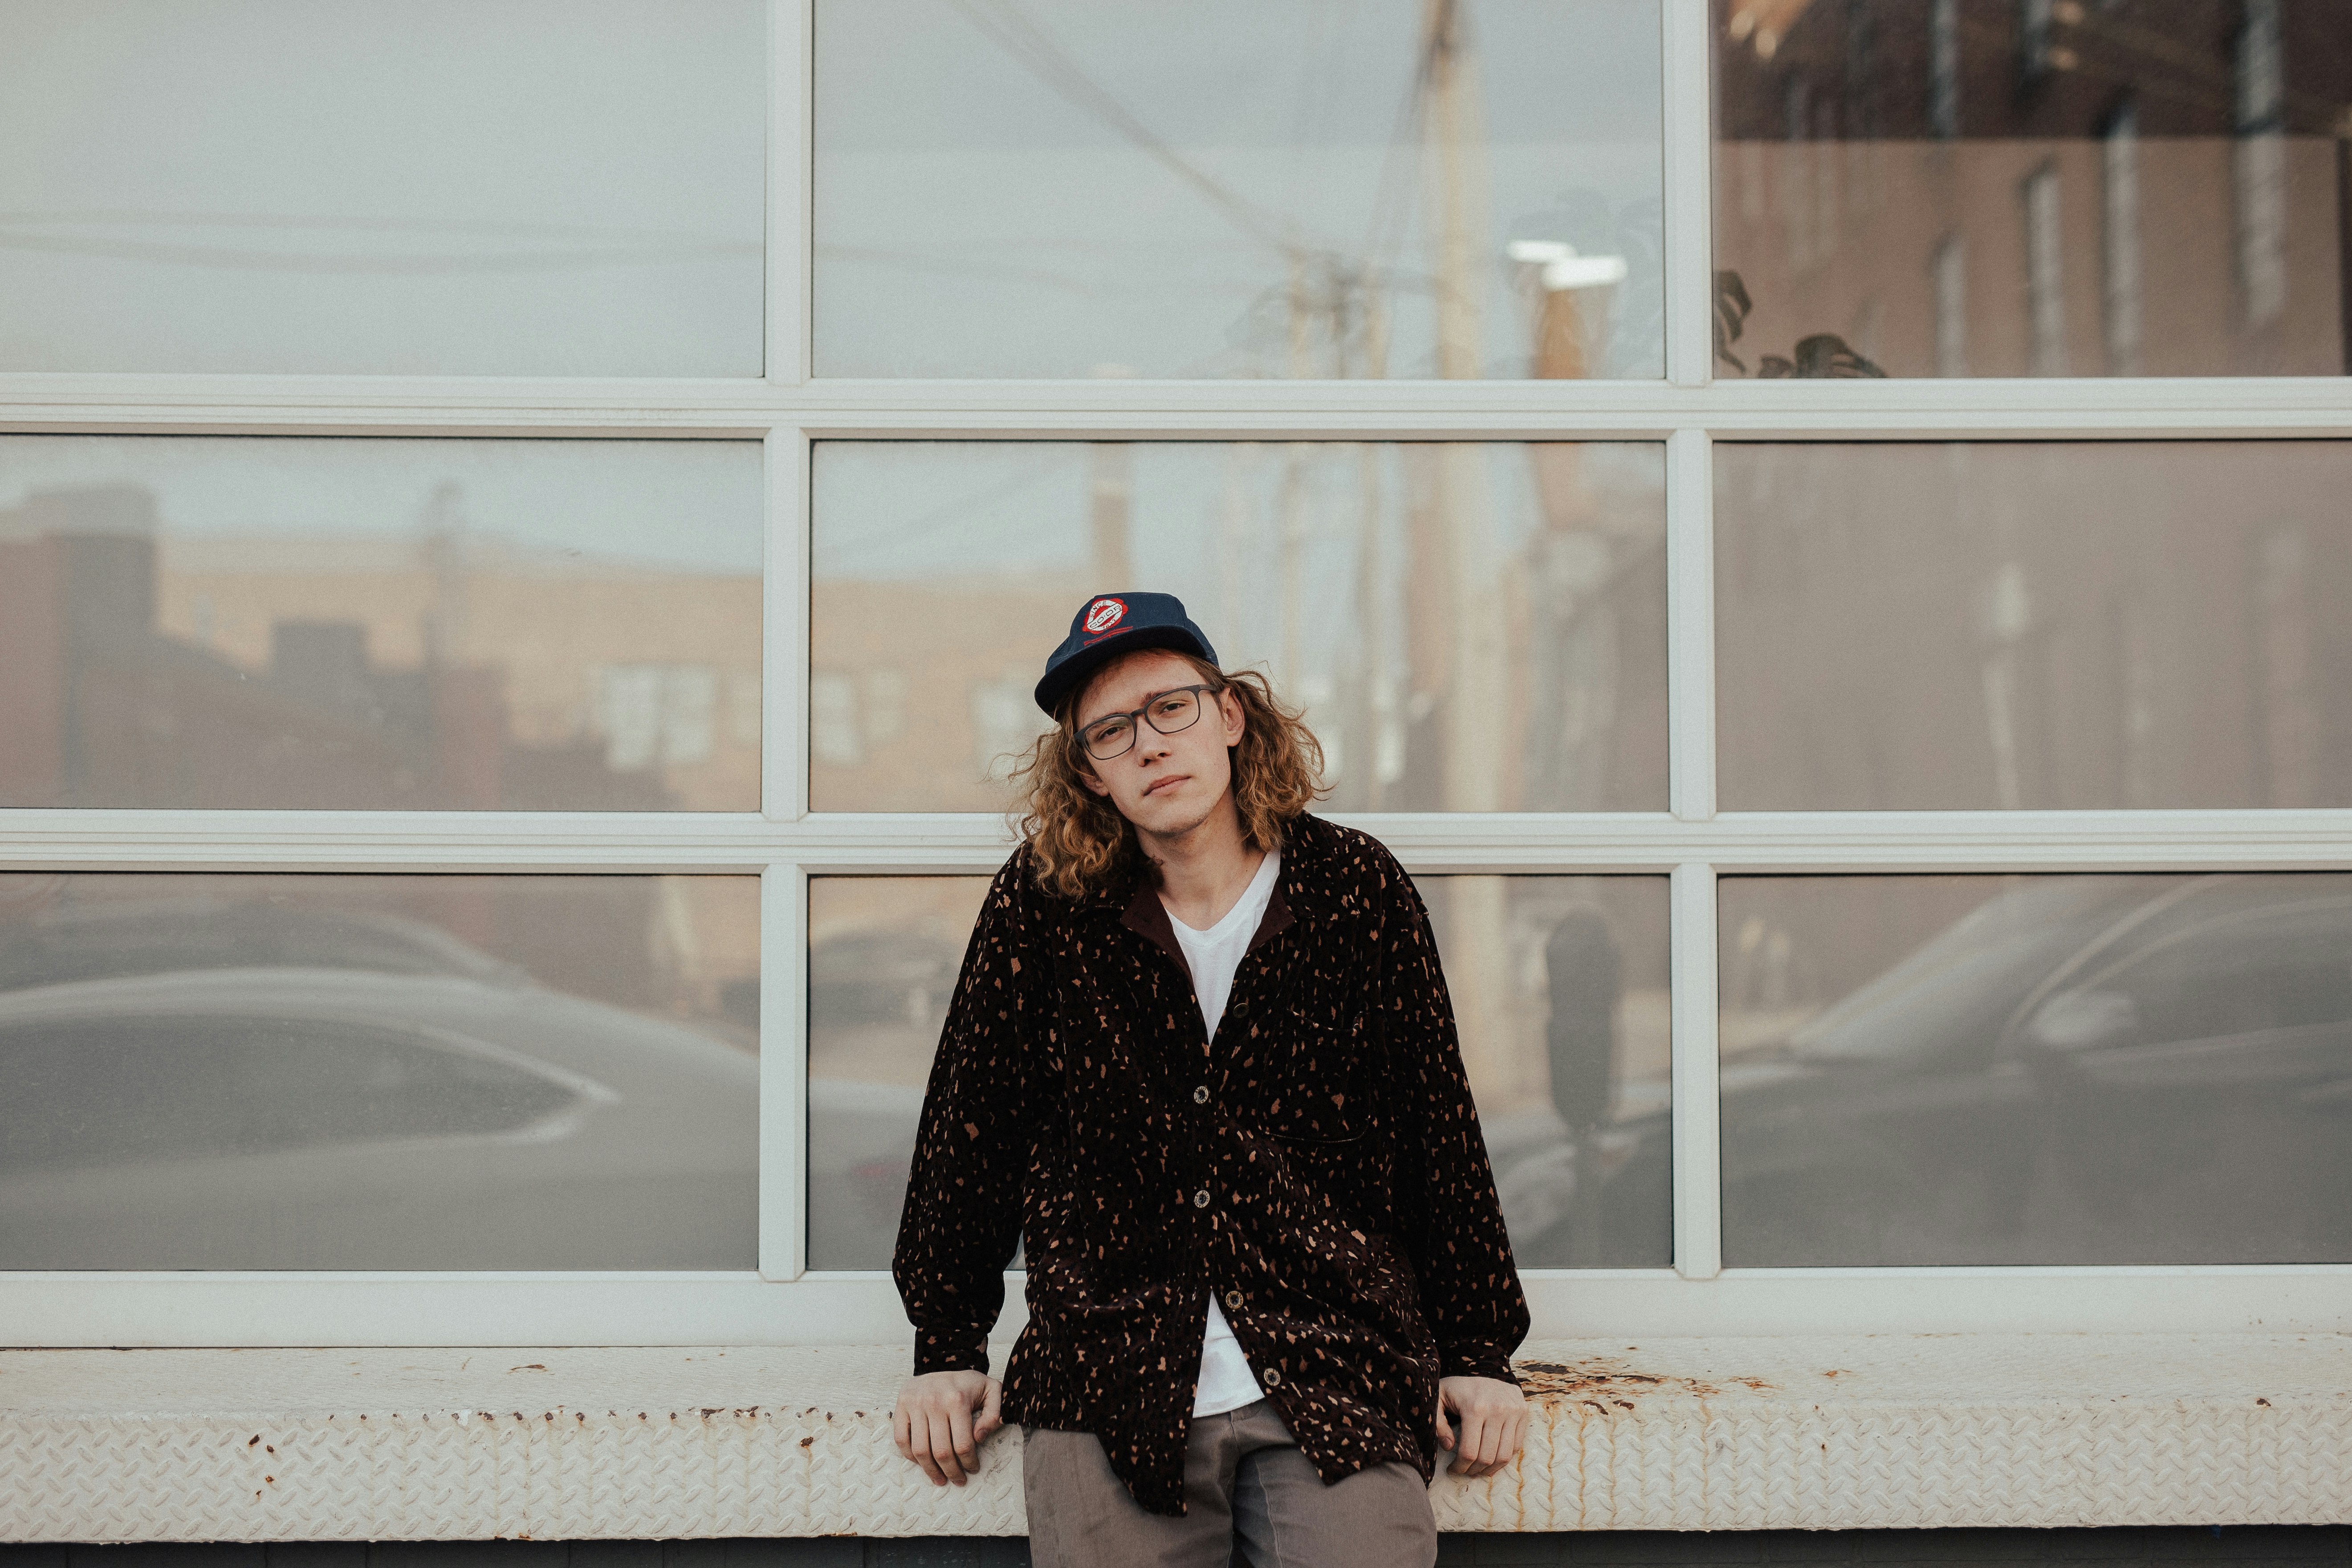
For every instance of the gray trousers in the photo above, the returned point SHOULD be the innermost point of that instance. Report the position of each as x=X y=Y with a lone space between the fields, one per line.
x=1243 y=1477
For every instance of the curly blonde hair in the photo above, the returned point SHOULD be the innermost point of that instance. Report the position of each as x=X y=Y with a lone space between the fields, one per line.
x=1079 y=843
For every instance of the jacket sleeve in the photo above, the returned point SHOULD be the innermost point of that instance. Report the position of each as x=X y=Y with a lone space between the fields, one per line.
x=1446 y=1202
x=961 y=1219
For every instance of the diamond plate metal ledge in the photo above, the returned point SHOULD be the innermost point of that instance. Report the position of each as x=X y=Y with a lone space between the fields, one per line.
x=1722 y=1434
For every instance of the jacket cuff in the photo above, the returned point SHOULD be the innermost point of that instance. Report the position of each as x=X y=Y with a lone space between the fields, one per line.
x=946 y=1349
x=1477 y=1361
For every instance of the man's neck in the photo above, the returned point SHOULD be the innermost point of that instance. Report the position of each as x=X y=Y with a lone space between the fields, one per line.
x=1204 y=869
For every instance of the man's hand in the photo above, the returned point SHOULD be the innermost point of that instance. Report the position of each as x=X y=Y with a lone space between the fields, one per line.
x=934 y=1426
x=1493 y=1415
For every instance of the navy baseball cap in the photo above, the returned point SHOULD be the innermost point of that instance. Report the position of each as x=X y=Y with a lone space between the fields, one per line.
x=1110 y=625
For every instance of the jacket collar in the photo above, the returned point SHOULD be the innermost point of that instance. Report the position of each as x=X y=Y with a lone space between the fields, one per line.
x=1148 y=917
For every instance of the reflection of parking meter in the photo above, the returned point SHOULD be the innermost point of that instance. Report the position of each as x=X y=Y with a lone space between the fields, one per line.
x=1582 y=961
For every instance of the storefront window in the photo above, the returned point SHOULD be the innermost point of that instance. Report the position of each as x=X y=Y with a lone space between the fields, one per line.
x=1559 y=986
x=2037 y=624
x=2138 y=189
x=1469 y=629
x=1227 y=189
x=2037 y=1070
x=310 y=1071
x=244 y=623
x=524 y=188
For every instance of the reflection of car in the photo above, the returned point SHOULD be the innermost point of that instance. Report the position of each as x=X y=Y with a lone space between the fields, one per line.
x=159 y=936
x=881 y=977
x=861 y=1142
x=2092 y=1068
x=445 y=1117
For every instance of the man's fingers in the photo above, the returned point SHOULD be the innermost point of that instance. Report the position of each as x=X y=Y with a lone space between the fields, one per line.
x=1444 y=1431
x=990 y=1415
x=1490 y=1442
x=932 y=1443
x=944 y=1449
x=1465 y=1443
x=1466 y=1456
x=898 y=1433
x=919 y=1449
x=967 y=1447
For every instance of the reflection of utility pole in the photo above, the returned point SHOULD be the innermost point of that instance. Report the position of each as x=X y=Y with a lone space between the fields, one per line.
x=2004 y=615
x=1292 y=543
x=1468 y=599
x=1572 y=635
x=1232 y=539
x=442 y=542
x=1110 y=505
x=1374 y=745
x=1112 y=491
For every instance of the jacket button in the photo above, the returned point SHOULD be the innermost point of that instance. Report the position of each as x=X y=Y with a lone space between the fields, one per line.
x=1273 y=1378
x=1201 y=1095
x=1200 y=1199
x=1234 y=1299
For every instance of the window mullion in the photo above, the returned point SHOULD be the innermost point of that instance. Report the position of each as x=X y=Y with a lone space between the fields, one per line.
x=791 y=162
x=1690 y=625
x=784 y=658
x=1689 y=148
x=1697 y=1112
x=783 y=1071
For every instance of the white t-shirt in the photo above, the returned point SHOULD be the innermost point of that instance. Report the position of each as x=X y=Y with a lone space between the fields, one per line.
x=1226 y=1381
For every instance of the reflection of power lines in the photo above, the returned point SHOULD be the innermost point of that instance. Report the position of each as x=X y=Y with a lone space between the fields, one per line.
x=555 y=247
x=1332 y=306
x=961 y=509
x=1002 y=24
x=957 y=266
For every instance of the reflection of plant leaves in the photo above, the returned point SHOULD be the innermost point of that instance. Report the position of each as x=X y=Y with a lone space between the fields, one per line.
x=1731 y=307
x=1825 y=356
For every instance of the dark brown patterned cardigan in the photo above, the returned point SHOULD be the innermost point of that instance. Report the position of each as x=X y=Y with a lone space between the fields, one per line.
x=1318 y=1164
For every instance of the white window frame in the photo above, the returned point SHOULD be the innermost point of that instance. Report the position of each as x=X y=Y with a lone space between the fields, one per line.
x=783 y=1301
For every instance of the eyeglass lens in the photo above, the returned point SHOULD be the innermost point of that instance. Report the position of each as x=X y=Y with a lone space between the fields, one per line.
x=1167 y=712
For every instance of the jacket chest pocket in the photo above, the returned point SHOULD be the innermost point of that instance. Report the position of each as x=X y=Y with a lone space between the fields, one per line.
x=1300 y=1079
x=1112 y=1035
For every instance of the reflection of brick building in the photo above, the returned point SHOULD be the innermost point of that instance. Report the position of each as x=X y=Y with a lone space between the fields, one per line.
x=919 y=690
x=1979 y=187
x=360 y=673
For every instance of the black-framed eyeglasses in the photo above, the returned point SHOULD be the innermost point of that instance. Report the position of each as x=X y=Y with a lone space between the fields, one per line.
x=1114 y=734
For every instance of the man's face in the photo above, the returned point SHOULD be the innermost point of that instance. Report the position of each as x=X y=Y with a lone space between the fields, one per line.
x=1165 y=784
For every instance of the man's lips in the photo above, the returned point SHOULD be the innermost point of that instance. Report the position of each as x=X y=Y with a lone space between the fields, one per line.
x=1168 y=783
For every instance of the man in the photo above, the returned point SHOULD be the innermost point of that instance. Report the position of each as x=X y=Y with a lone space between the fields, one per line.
x=1201 y=1060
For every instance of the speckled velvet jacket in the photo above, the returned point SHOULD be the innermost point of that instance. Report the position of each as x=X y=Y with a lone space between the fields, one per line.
x=1318 y=1164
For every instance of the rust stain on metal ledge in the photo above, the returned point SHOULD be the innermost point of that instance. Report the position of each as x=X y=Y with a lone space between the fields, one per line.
x=1601 y=1381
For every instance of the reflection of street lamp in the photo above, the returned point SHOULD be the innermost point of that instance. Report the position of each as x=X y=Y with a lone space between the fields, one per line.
x=1559 y=326
x=1563 y=268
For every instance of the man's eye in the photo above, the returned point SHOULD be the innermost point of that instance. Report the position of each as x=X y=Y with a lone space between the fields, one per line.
x=1112 y=731
x=1170 y=704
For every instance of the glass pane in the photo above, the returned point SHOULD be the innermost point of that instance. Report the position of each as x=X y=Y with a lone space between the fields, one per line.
x=2039 y=625
x=1373 y=583
x=535 y=187
x=256 y=622
x=1405 y=188
x=1559 y=986
x=310 y=1071
x=2031 y=187
x=2042 y=1069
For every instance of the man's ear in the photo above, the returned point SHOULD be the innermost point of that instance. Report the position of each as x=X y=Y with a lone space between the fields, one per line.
x=1229 y=706
x=1087 y=777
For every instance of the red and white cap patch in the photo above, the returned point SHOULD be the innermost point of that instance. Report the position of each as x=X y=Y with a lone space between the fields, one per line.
x=1105 y=614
